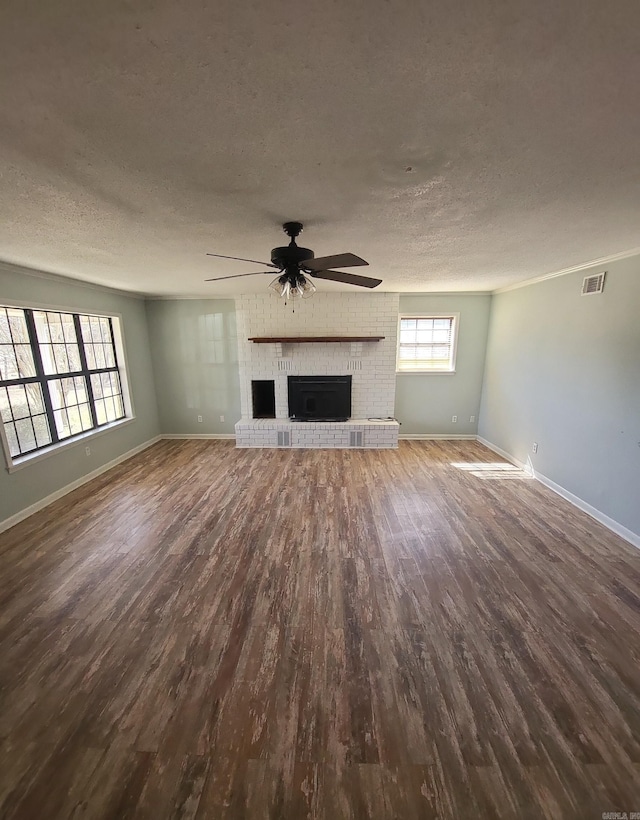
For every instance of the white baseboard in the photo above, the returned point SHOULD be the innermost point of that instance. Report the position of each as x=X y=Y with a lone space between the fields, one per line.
x=222 y=436
x=521 y=464
x=610 y=523
x=49 y=499
x=437 y=437
x=605 y=520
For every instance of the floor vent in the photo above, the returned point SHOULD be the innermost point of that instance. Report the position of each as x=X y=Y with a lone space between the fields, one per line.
x=593 y=284
x=354 y=364
x=356 y=438
x=284 y=438
x=285 y=364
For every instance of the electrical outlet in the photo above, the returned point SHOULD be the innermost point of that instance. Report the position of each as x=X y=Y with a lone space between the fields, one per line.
x=87 y=451
x=221 y=418
x=472 y=418
x=535 y=447
x=200 y=419
x=454 y=419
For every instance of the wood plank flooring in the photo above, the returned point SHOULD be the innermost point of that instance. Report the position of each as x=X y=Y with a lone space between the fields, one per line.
x=205 y=632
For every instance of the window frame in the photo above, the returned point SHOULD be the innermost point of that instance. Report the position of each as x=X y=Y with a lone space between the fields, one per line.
x=455 y=317
x=14 y=463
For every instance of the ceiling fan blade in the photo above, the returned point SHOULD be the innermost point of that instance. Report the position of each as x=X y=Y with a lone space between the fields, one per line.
x=347 y=278
x=237 y=275
x=240 y=259
x=340 y=260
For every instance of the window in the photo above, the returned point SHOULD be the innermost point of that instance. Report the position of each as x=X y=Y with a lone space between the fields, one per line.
x=427 y=343
x=59 y=377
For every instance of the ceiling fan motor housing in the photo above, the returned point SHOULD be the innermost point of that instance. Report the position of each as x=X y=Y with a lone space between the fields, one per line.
x=290 y=256
x=294 y=262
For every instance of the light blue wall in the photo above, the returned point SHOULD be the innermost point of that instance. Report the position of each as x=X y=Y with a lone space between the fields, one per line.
x=425 y=403
x=42 y=478
x=563 y=370
x=195 y=363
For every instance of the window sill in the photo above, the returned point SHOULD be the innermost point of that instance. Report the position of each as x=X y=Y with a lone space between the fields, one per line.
x=81 y=438
x=425 y=372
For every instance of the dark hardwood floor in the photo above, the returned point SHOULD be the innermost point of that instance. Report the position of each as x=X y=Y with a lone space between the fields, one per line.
x=205 y=632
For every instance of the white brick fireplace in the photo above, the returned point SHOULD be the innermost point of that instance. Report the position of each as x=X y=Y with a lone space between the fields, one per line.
x=371 y=364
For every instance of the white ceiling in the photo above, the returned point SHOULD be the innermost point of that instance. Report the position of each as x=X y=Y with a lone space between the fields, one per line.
x=455 y=145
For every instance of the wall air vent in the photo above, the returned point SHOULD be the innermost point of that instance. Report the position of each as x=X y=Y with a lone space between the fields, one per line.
x=285 y=364
x=284 y=438
x=593 y=284
x=354 y=364
x=355 y=438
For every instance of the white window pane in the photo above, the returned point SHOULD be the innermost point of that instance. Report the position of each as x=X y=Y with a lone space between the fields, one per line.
x=5 y=407
x=105 y=330
x=85 y=328
x=26 y=364
x=91 y=356
x=101 y=413
x=68 y=328
x=99 y=351
x=42 y=328
x=96 y=386
x=62 y=423
x=56 y=394
x=61 y=359
x=73 y=357
x=12 y=439
x=34 y=395
x=425 y=324
x=18 y=401
x=5 y=332
x=26 y=436
x=408 y=324
x=81 y=388
x=43 y=434
x=75 y=425
x=48 y=361
x=8 y=363
x=85 y=416
x=55 y=328
x=96 y=335
x=429 y=346
x=110 y=408
x=18 y=325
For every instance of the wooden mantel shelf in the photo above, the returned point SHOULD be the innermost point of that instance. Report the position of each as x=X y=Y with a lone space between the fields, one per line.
x=263 y=340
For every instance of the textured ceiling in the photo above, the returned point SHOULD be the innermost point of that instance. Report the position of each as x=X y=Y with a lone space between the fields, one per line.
x=455 y=145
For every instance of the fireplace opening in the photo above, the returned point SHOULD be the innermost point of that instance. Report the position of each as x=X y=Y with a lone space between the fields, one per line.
x=319 y=398
x=263 y=399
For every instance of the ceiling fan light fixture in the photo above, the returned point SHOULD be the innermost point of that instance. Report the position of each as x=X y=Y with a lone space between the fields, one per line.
x=308 y=289
x=293 y=287
x=278 y=285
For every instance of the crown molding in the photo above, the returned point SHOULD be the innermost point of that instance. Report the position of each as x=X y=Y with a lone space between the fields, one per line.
x=604 y=260
x=152 y=297
x=10 y=267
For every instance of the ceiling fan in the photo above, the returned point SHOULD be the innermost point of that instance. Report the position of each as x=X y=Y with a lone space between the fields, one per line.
x=296 y=264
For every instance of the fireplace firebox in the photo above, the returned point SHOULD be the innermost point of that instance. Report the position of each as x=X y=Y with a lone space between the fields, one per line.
x=263 y=398
x=319 y=398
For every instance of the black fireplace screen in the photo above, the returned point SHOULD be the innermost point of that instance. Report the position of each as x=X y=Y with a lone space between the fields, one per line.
x=319 y=398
